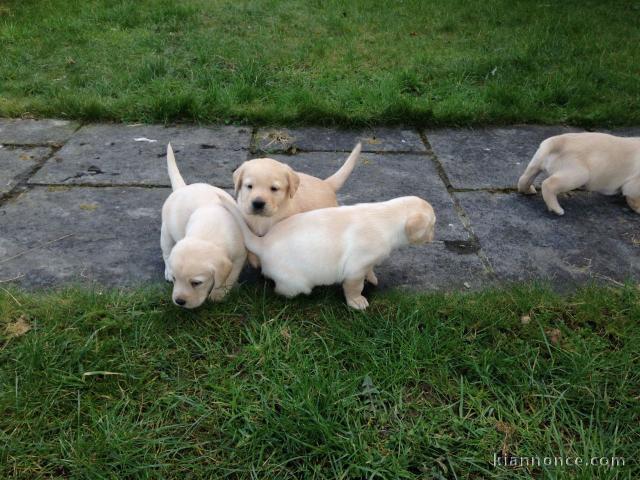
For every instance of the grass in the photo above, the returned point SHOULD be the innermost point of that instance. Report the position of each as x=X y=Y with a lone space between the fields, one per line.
x=124 y=385
x=322 y=61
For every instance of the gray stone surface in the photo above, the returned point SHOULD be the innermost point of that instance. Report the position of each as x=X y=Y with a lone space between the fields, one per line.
x=110 y=155
x=80 y=235
x=382 y=177
x=330 y=140
x=598 y=238
x=622 y=131
x=35 y=132
x=17 y=162
x=488 y=158
x=432 y=267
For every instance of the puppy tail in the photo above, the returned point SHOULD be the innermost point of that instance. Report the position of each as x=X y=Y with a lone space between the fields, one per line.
x=336 y=180
x=251 y=240
x=534 y=168
x=174 y=174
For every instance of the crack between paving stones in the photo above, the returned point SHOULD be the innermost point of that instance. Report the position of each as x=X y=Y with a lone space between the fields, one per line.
x=462 y=214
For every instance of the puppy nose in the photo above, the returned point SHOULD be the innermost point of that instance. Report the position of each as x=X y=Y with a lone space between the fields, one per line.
x=180 y=301
x=258 y=204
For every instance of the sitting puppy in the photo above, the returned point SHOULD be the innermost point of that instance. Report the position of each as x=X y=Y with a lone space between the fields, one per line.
x=337 y=245
x=201 y=243
x=269 y=191
x=596 y=161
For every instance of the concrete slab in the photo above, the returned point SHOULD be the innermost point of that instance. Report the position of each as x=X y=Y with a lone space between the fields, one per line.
x=598 y=238
x=332 y=140
x=432 y=267
x=57 y=235
x=622 y=131
x=17 y=162
x=35 y=132
x=488 y=158
x=381 y=177
x=123 y=155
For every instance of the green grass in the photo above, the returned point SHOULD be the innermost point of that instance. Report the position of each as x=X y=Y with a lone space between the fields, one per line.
x=419 y=386
x=322 y=61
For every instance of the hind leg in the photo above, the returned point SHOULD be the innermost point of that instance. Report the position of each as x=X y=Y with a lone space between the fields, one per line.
x=526 y=180
x=353 y=293
x=632 y=193
x=371 y=277
x=560 y=182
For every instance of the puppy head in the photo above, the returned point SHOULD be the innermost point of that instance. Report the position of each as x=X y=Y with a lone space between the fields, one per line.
x=420 y=224
x=195 y=265
x=263 y=185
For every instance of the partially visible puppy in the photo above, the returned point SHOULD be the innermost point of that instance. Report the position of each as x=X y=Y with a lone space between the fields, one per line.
x=269 y=191
x=337 y=245
x=201 y=243
x=596 y=161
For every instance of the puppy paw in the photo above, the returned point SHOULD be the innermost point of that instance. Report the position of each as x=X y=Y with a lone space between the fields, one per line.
x=168 y=276
x=359 y=303
x=557 y=211
x=532 y=190
x=217 y=294
x=254 y=261
x=371 y=278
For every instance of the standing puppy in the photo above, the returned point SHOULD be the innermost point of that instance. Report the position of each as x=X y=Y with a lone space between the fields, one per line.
x=269 y=191
x=337 y=245
x=201 y=243
x=596 y=161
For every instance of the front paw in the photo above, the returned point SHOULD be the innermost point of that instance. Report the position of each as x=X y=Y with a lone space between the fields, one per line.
x=168 y=276
x=254 y=261
x=359 y=303
x=217 y=294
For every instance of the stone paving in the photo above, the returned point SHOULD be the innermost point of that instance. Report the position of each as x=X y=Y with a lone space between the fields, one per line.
x=81 y=203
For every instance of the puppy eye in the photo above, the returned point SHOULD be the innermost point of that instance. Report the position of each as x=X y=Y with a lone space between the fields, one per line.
x=249 y=187
x=274 y=189
x=196 y=283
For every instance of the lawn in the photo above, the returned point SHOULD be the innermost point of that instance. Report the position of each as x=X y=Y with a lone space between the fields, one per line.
x=125 y=385
x=322 y=61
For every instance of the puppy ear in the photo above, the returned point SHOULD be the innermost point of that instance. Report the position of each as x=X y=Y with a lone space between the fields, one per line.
x=294 y=182
x=419 y=228
x=237 y=178
x=222 y=271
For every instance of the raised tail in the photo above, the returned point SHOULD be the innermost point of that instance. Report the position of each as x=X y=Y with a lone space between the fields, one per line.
x=525 y=183
x=174 y=174
x=251 y=240
x=336 y=180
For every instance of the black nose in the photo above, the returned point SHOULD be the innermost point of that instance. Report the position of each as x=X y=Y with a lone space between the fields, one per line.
x=258 y=204
x=180 y=301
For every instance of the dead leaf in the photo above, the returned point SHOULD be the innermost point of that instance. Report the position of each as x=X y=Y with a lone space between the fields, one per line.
x=373 y=141
x=25 y=157
x=554 y=335
x=278 y=136
x=89 y=207
x=70 y=61
x=18 y=328
x=525 y=319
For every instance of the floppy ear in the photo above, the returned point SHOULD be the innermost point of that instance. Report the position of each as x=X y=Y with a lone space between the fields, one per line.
x=221 y=272
x=237 y=178
x=419 y=228
x=294 y=182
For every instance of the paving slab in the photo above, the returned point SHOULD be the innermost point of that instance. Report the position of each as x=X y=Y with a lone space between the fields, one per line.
x=35 y=132
x=598 y=238
x=622 y=131
x=432 y=267
x=59 y=235
x=333 y=140
x=136 y=155
x=488 y=158
x=384 y=176
x=17 y=162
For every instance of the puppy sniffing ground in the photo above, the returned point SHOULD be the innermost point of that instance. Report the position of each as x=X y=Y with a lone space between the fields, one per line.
x=595 y=161
x=337 y=245
x=201 y=243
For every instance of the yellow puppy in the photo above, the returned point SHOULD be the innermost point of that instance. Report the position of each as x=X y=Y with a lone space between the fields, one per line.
x=337 y=245
x=596 y=161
